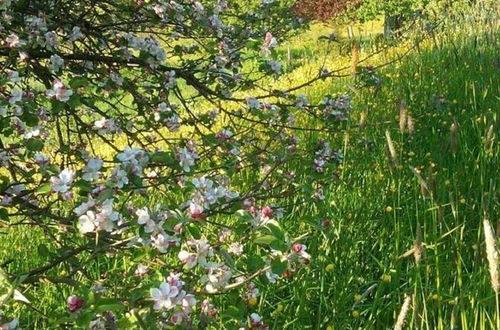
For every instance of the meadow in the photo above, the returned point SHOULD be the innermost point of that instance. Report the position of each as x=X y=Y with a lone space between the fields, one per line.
x=401 y=223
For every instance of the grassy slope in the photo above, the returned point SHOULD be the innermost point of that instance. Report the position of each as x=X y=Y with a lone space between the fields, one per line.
x=375 y=212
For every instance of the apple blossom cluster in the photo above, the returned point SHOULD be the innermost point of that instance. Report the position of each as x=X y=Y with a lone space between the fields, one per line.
x=324 y=156
x=59 y=91
x=187 y=156
x=152 y=224
x=299 y=254
x=263 y=216
x=93 y=217
x=166 y=115
x=62 y=183
x=270 y=42
x=149 y=45
x=171 y=296
x=106 y=126
x=207 y=194
x=257 y=323
x=337 y=107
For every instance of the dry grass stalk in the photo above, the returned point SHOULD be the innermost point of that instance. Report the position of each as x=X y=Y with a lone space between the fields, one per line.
x=354 y=58
x=425 y=188
x=362 y=119
x=490 y=138
x=453 y=206
x=414 y=303
x=431 y=182
x=403 y=114
x=400 y=322
x=454 y=137
x=418 y=247
x=391 y=151
x=492 y=255
x=453 y=321
x=417 y=250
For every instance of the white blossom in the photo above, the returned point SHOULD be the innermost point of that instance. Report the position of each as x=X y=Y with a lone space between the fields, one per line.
x=63 y=181
x=56 y=62
x=16 y=95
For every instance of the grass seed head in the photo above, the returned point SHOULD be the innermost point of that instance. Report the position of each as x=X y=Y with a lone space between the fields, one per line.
x=410 y=123
x=391 y=151
x=400 y=322
x=403 y=114
x=418 y=247
x=490 y=138
x=492 y=255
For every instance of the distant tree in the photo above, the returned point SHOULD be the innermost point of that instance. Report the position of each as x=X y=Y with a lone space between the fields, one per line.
x=324 y=10
x=395 y=12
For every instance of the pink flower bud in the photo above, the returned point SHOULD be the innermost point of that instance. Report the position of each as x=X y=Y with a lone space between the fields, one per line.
x=74 y=303
x=267 y=212
x=253 y=210
x=297 y=248
x=178 y=228
x=196 y=212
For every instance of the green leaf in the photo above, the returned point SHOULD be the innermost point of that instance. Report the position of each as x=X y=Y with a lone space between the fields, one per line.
x=279 y=245
x=171 y=222
x=266 y=239
x=136 y=180
x=140 y=255
x=241 y=228
x=275 y=229
x=78 y=82
x=115 y=307
x=56 y=107
x=227 y=258
x=254 y=263
x=53 y=169
x=124 y=323
x=108 y=193
x=278 y=267
x=163 y=157
x=4 y=215
x=74 y=101
x=194 y=230
x=84 y=186
x=43 y=250
x=34 y=144
x=234 y=312
x=30 y=118
x=44 y=188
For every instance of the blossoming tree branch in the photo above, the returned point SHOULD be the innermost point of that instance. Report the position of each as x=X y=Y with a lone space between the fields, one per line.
x=147 y=131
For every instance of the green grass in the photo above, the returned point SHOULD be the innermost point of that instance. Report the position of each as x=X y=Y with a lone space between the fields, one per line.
x=374 y=210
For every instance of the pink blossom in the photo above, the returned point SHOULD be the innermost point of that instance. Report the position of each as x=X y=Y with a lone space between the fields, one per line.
x=196 y=212
x=59 y=91
x=163 y=295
